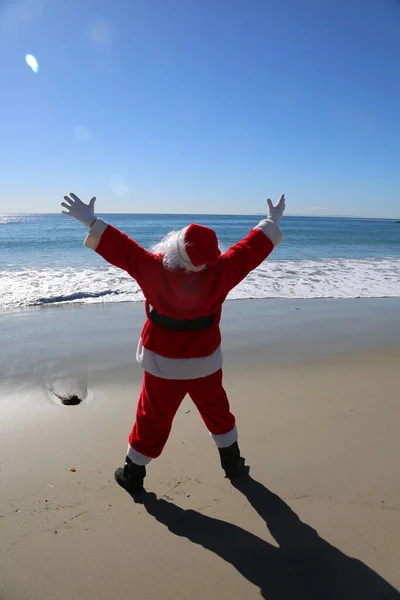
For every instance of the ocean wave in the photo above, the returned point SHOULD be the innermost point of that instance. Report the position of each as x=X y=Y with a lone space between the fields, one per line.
x=76 y=296
x=344 y=278
x=11 y=219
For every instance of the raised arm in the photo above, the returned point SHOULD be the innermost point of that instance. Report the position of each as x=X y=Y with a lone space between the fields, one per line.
x=110 y=243
x=249 y=253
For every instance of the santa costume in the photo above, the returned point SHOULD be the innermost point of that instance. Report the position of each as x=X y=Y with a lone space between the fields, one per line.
x=185 y=280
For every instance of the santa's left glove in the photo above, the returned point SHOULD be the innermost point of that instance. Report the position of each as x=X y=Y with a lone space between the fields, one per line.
x=79 y=210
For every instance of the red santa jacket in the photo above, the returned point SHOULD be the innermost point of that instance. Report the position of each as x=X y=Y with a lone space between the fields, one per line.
x=182 y=295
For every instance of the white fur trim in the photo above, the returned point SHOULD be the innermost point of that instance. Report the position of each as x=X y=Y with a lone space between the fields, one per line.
x=225 y=440
x=271 y=230
x=181 y=247
x=183 y=255
x=137 y=458
x=178 y=368
x=95 y=232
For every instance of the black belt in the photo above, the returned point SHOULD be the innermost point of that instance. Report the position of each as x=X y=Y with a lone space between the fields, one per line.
x=181 y=324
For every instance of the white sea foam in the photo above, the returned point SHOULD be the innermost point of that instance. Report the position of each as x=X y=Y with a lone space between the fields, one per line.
x=274 y=279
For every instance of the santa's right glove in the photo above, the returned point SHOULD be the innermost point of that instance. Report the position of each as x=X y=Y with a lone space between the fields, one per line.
x=79 y=210
x=275 y=213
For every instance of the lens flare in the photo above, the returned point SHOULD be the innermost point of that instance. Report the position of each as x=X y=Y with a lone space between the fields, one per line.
x=32 y=62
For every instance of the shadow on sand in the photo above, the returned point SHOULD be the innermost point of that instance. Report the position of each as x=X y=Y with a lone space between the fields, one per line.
x=304 y=567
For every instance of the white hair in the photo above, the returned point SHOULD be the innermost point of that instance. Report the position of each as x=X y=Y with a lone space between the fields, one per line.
x=173 y=253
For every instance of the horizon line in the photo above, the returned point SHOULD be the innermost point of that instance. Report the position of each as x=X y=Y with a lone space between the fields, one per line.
x=304 y=215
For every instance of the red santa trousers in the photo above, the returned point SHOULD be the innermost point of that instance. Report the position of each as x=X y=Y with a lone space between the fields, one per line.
x=160 y=399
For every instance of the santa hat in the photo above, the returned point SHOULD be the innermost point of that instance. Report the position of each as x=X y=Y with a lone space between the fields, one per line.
x=198 y=246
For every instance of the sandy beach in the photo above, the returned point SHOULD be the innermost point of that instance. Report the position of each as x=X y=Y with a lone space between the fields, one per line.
x=315 y=389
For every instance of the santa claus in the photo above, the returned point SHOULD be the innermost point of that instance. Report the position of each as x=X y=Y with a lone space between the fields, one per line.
x=185 y=280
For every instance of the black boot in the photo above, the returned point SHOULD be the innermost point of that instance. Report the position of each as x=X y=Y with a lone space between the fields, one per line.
x=231 y=461
x=130 y=476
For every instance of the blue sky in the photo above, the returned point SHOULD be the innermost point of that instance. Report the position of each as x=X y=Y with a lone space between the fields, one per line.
x=201 y=106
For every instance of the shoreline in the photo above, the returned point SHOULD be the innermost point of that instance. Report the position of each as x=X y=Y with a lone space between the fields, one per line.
x=103 y=337
x=68 y=351
x=82 y=304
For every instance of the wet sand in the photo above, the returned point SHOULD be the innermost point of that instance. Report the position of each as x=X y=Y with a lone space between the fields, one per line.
x=316 y=396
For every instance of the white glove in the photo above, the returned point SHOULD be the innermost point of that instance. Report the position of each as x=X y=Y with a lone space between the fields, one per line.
x=79 y=210
x=275 y=213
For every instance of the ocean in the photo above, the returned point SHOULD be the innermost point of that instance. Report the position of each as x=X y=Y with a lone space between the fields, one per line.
x=43 y=261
